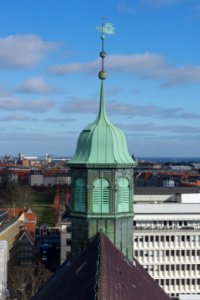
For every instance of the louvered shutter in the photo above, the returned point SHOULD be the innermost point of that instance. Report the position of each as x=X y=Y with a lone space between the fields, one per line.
x=80 y=195
x=105 y=196
x=101 y=196
x=123 y=195
x=97 y=196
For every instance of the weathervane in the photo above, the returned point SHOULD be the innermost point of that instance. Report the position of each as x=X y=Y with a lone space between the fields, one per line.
x=107 y=28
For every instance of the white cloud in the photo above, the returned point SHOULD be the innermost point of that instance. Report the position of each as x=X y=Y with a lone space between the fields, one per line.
x=22 y=51
x=35 y=85
x=18 y=118
x=3 y=92
x=152 y=127
x=11 y=103
x=145 y=66
x=135 y=62
x=74 y=68
x=79 y=105
x=59 y=120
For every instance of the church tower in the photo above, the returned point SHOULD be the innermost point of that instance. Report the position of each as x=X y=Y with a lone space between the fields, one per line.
x=102 y=180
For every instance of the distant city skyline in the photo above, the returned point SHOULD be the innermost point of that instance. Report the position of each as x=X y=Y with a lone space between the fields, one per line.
x=49 y=62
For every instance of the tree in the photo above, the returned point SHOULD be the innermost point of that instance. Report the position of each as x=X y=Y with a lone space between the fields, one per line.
x=25 y=280
x=17 y=195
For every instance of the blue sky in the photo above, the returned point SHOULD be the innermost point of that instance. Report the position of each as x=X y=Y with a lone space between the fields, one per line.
x=49 y=61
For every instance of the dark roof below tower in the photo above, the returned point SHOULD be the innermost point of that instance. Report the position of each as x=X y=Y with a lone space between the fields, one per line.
x=102 y=273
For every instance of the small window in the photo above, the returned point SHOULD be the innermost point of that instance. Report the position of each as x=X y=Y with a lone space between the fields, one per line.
x=68 y=255
x=68 y=242
x=68 y=229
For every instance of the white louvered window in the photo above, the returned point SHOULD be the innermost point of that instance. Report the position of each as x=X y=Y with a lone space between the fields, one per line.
x=101 y=196
x=123 y=195
x=80 y=195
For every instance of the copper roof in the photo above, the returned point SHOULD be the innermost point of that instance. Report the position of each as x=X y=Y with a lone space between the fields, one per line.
x=102 y=273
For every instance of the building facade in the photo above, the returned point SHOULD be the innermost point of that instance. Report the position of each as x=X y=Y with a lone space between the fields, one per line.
x=9 y=232
x=26 y=249
x=3 y=268
x=167 y=244
x=65 y=240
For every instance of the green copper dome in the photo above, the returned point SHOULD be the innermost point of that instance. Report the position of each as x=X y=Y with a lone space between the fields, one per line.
x=102 y=142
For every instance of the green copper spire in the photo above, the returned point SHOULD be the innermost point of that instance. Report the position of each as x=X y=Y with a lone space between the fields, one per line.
x=102 y=142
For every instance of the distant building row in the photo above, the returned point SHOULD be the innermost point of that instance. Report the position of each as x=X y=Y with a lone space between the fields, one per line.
x=33 y=177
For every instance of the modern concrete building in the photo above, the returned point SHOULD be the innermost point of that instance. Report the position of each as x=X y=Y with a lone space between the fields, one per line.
x=167 y=241
x=35 y=178
x=189 y=297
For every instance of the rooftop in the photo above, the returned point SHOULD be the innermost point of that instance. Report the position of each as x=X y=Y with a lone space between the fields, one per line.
x=101 y=272
x=8 y=224
x=165 y=191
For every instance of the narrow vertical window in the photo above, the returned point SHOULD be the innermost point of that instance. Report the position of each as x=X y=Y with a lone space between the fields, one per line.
x=101 y=196
x=80 y=195
x=123 y=195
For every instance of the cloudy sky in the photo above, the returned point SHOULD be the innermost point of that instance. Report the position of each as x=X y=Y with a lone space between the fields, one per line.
x=49 y=61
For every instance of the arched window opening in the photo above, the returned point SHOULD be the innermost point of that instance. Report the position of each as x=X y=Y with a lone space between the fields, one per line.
x=101 y=196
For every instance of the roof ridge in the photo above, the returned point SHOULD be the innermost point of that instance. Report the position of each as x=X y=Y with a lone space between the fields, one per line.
x=98 y=269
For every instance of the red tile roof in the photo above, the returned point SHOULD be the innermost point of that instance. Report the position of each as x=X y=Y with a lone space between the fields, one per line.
x=25 y=232
x=13 y=211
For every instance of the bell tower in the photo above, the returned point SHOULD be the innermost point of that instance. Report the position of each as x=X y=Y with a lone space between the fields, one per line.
x=102 y=179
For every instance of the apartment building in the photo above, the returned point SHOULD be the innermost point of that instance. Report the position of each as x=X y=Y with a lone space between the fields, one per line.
x=9 y=231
